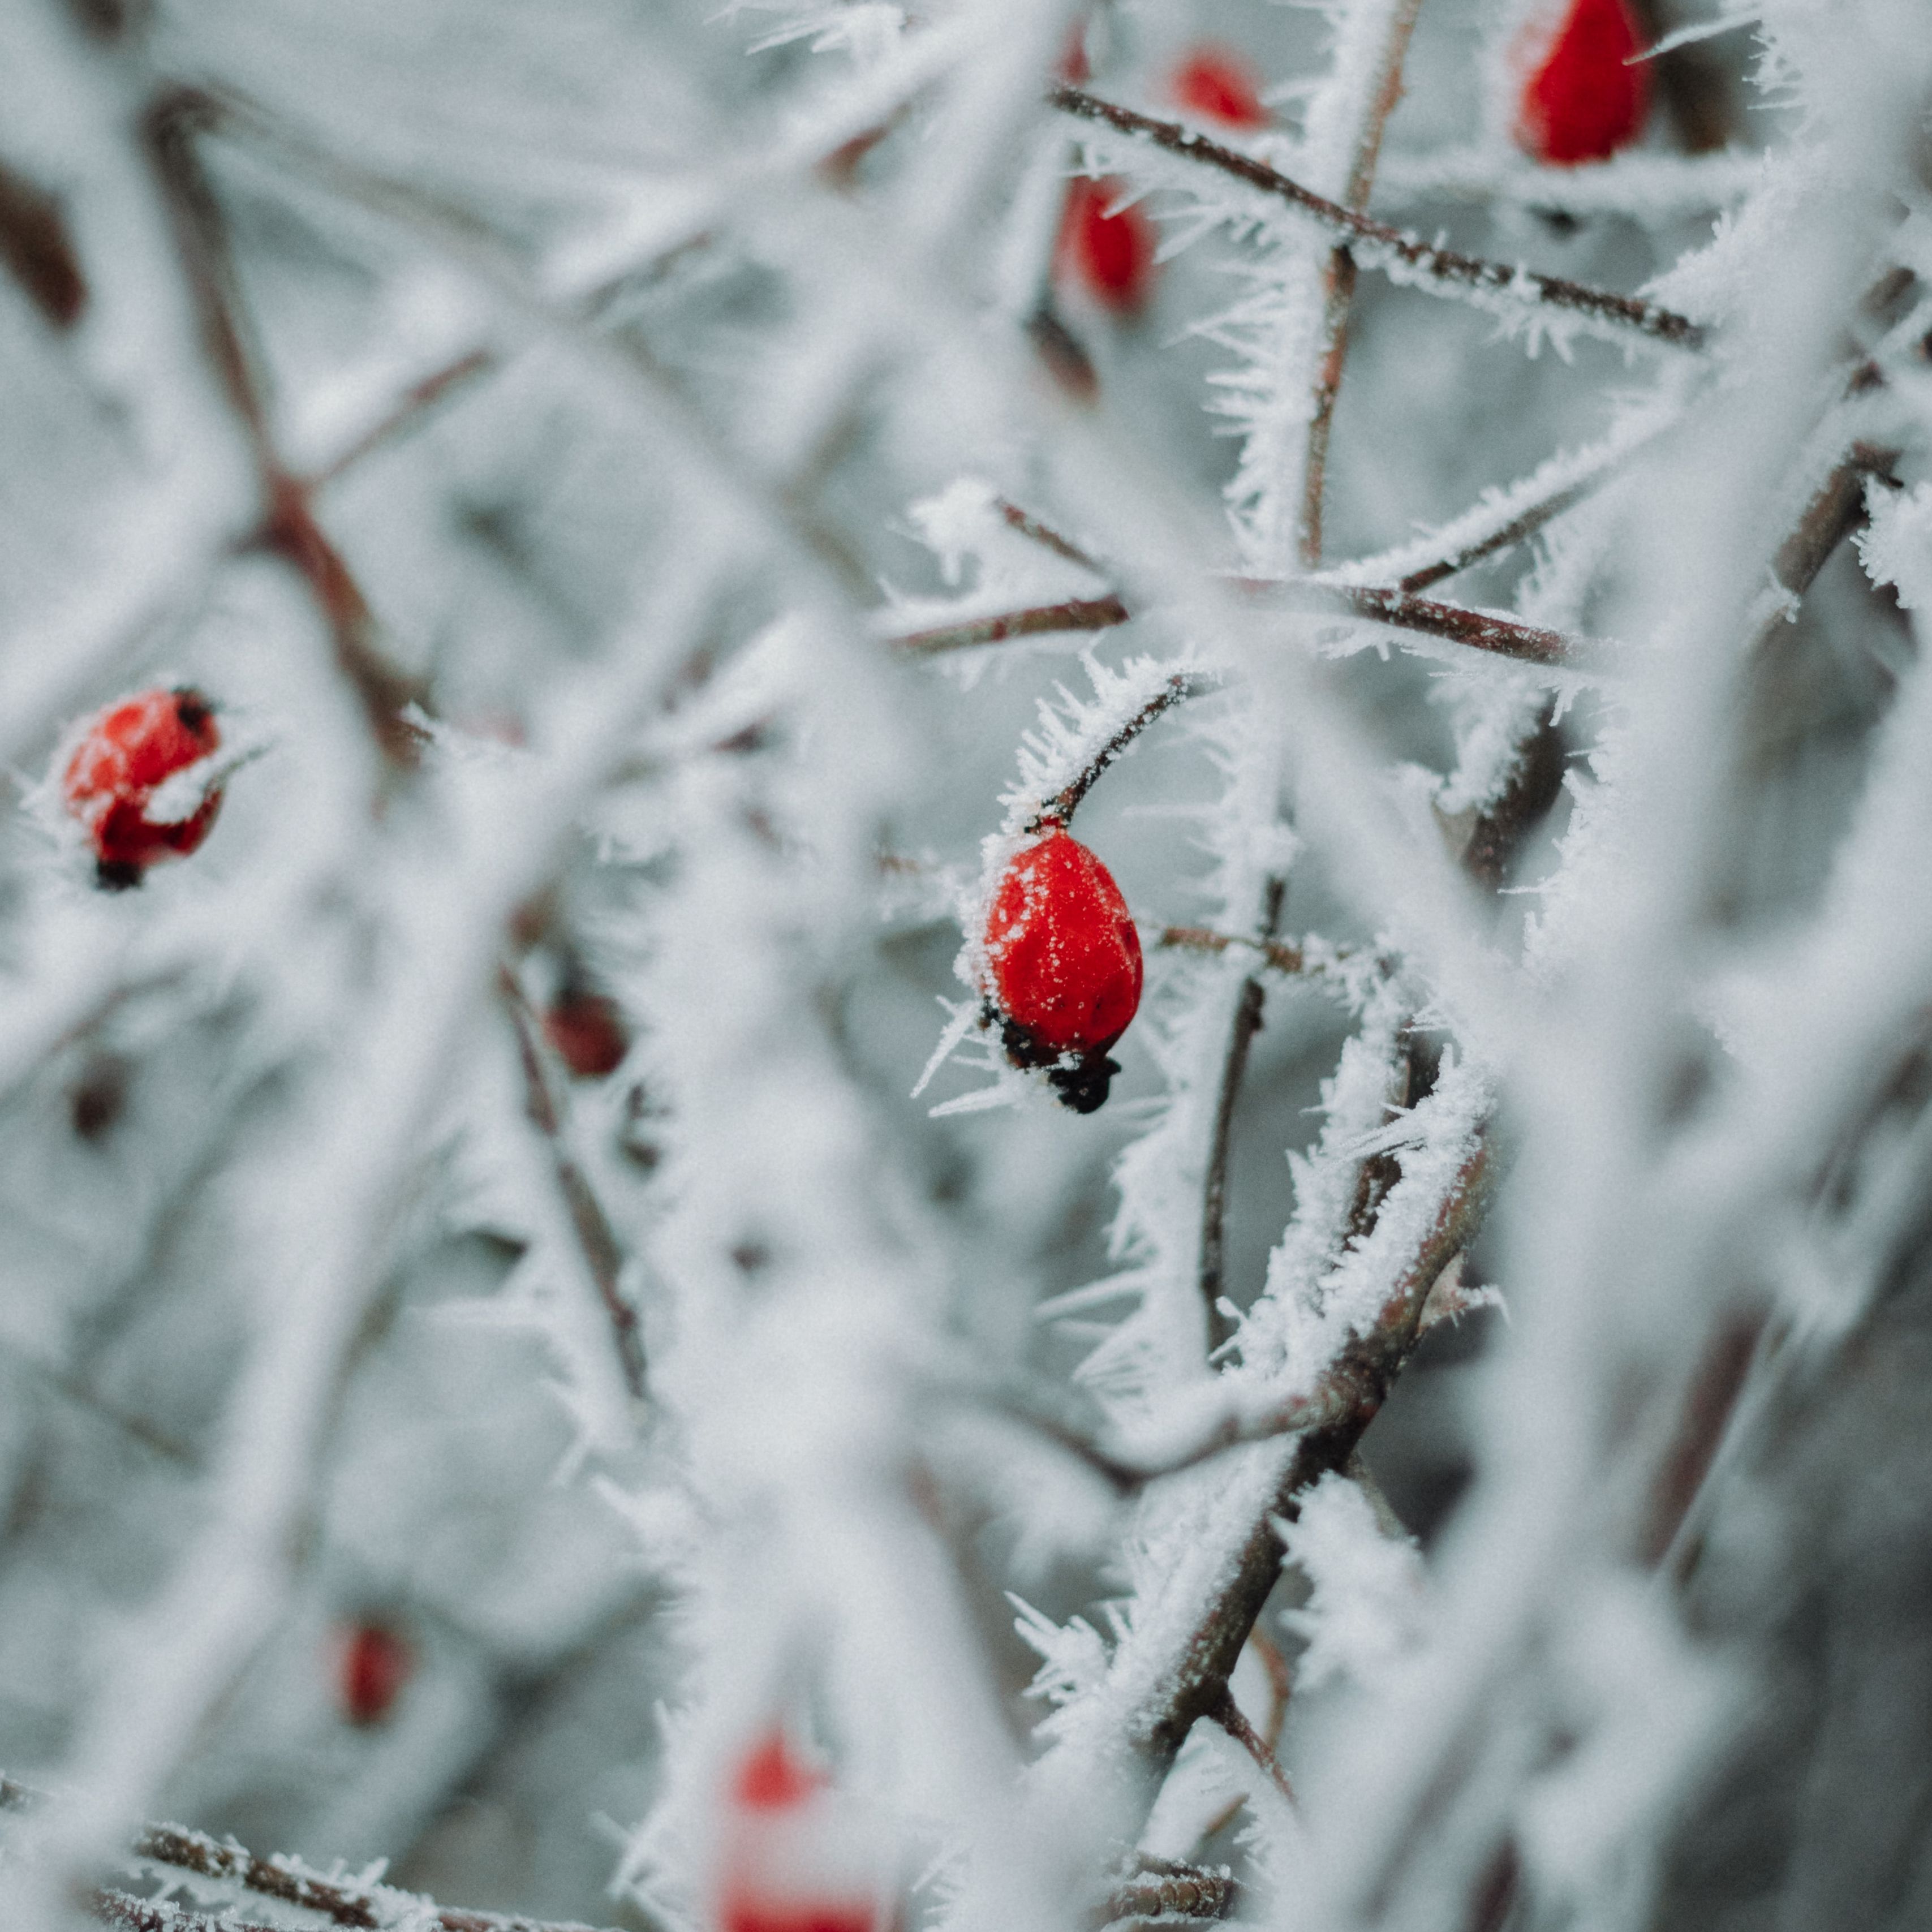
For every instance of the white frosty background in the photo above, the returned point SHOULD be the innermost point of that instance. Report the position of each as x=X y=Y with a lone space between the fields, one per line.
x=534 y=423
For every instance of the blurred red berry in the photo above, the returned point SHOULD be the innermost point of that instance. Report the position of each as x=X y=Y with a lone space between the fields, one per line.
x=1110 y=253
x=771 y=1779
x=1214 y=84
x=1582 y=101
x=1074 y=68
x=373 y=1664
x=587 y=1033
x=795 y=1858
x=1065 y=961
x=124 y=755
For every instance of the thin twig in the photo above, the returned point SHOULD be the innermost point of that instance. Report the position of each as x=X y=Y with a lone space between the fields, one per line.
x=1480 y=630
x=1060 y=808
x=1045 y=535
x=1526 y=523
x=602 y=1256
x=1377 y=244
x=1338 y=277
x=1073 y=613
x=410 y=407
x=1234 y=1720
x=1246 y=1024
x=289 y=529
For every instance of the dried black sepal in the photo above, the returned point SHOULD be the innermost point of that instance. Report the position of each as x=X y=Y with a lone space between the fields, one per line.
x=1082 y=1084
x=192 y=707
x=116 y=875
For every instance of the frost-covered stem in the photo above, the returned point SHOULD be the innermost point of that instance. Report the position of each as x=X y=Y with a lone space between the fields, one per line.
x=1357 y=1383
x=1166 y=1891
x=289 y=529
x=1480 y=630
x=1073 y=613
x=1276 y=953
x=1498 y=832
x=1526 y=523
x=415 y=402
x=1234 y=1720
x=595 y=1238
x=1247 y=1022
x=1339 y=278
x=285 y=1879
x=1060 y=808
x=1376 y=243
x=1832 y=514
x=1045 y=535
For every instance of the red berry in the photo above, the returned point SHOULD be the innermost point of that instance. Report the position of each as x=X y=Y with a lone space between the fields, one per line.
x=1215 y=84
x=586 y=1033
x=1111 y=254
x=1582 y=101
x=771 y=1779
x=124 y=756
x=795 y=1856
x=373 y=1665
x=1065 y=961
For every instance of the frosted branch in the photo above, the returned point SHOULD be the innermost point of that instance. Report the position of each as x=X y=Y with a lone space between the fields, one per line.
x=1447 y=270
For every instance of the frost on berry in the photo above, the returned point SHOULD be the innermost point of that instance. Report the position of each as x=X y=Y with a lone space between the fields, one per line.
x=794 y=1856
x=1109 y=251
x=1063 y=961
x=373 y=1663
x=1582 y=100
x=124 y=756
x=1212 y=84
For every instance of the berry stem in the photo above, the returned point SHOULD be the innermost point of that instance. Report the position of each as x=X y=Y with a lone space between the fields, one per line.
x=1060 y=808
x=1377 y=244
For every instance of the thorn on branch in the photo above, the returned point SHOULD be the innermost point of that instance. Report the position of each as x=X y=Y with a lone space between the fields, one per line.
x=1378 y=243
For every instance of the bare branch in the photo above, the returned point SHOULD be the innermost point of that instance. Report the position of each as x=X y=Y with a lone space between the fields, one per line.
x=1377 y=244
x=415 y=402
x=1045 y=536
x=1246 y=1023
x=1526 y=523
x=1338 y=277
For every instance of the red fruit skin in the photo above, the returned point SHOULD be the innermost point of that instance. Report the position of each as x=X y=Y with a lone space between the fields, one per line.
x=746 y=1912
x=586 y=1033
x=373 y=1664
x=1111 y=255
x=1213 y=85
x=1065 y=963
x=1580 y=101
x=771 y=1779
x=128 y=750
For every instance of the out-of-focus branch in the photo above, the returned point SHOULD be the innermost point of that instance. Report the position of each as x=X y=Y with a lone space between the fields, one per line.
x=1339 y=276
x=1246 y=1024
x=289 y=529
x=286 y=1880
x=1379 y=245
x=602 y=1256
x=414 y=403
